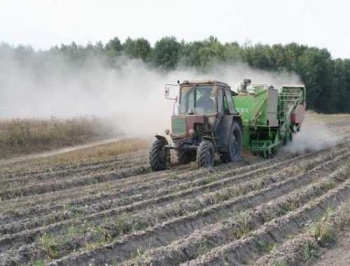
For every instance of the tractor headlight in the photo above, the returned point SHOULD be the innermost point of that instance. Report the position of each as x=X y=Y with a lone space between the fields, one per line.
x=192 y=132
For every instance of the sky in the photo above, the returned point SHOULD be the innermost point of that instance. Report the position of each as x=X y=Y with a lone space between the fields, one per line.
x=45 y=23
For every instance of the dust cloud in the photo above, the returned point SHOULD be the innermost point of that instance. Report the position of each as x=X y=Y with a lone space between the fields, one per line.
x=314 y=136
x=130 y=94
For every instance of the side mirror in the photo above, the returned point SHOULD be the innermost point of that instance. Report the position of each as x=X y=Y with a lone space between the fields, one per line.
x=171 y=91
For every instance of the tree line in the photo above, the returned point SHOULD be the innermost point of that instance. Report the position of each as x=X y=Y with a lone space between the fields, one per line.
x=327 y=79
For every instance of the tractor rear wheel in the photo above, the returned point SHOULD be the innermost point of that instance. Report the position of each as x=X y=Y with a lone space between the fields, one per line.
x=159 y=156
x=205 y=154
x=185 y=157
x=235 y=145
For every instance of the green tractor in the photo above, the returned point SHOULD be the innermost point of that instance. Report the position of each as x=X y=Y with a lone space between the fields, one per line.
x=210 y=119
x=204 y=123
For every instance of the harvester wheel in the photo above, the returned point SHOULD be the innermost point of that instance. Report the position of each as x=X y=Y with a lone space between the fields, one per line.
x=235 y=144
x=274 y=151
x=158 y=156
x=205 y=154
x=185 y=157
x=288 y=138
x=265 y=154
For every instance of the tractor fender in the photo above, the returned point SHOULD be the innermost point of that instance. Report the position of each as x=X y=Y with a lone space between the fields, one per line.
x=162 y=138
x=238 y=119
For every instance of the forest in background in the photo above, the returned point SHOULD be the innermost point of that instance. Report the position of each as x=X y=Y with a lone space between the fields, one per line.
x=327 y=79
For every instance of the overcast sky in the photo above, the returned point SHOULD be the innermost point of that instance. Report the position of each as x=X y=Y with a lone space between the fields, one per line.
x=44 y=23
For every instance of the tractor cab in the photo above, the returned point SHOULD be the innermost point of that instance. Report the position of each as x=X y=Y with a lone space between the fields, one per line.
x=201 y=105
x=198 y=99
x=204 y=122
x=205 y=98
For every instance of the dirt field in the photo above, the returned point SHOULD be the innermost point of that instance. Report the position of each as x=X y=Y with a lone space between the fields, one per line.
x=111 y=210
x=337 y=255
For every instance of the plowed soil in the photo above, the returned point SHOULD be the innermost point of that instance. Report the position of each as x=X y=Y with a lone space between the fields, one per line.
x=117 y=212
x=338 y=254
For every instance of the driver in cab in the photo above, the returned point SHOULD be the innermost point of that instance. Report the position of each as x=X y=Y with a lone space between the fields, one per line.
x=205 y=101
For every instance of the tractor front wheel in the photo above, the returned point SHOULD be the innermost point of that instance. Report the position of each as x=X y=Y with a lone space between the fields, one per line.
x=205 y=154
x=159 y=156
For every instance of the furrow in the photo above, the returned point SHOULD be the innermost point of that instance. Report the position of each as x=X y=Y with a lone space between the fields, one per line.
x=238 y=226
x=65 y=174
x=176 y=228
x=145 y=188
x=105 y=210
x=75 y=182
x=248 y=250
x=28 y=170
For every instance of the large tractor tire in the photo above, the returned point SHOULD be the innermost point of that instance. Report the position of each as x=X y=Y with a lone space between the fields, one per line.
x=158 y=156
x=235 y=145
x=205 y=154
x=185 y=157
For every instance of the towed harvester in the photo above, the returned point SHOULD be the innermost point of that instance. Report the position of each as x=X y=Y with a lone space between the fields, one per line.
x=270 y=117
x=212 y=120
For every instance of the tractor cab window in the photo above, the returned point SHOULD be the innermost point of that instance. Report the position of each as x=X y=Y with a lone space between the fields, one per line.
x=230 y=103
x=226 y=104
x=197 y=100
x=226 y=109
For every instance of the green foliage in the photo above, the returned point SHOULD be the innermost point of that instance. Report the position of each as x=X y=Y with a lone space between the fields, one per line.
x=276 y=263
x=114 y=44
x=327 y=79
x=38 y=263
x=203 y=54
x=49 y=245
x=139 y=48
x=324 y=231
x=265 y=247
x=243 y=226
x=309 y=251
x=209 y=180
x=166 y=52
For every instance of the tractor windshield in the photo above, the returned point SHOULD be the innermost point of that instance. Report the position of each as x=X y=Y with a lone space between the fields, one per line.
x=197 y=100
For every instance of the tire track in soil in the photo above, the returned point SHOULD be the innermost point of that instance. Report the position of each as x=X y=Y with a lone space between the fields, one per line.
x=248 y=250
x=63 y=174
x=45 y=188
x=28 y=237
x=39 y=198
x=152 y=176
x=130 y=190
x=168 y=197
x=32 y=168
x=179 y=227
x=12 y=171
x=54 y=185
x=22 y=171
x=306 y=249
x=165 y=178
x=215 y=235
